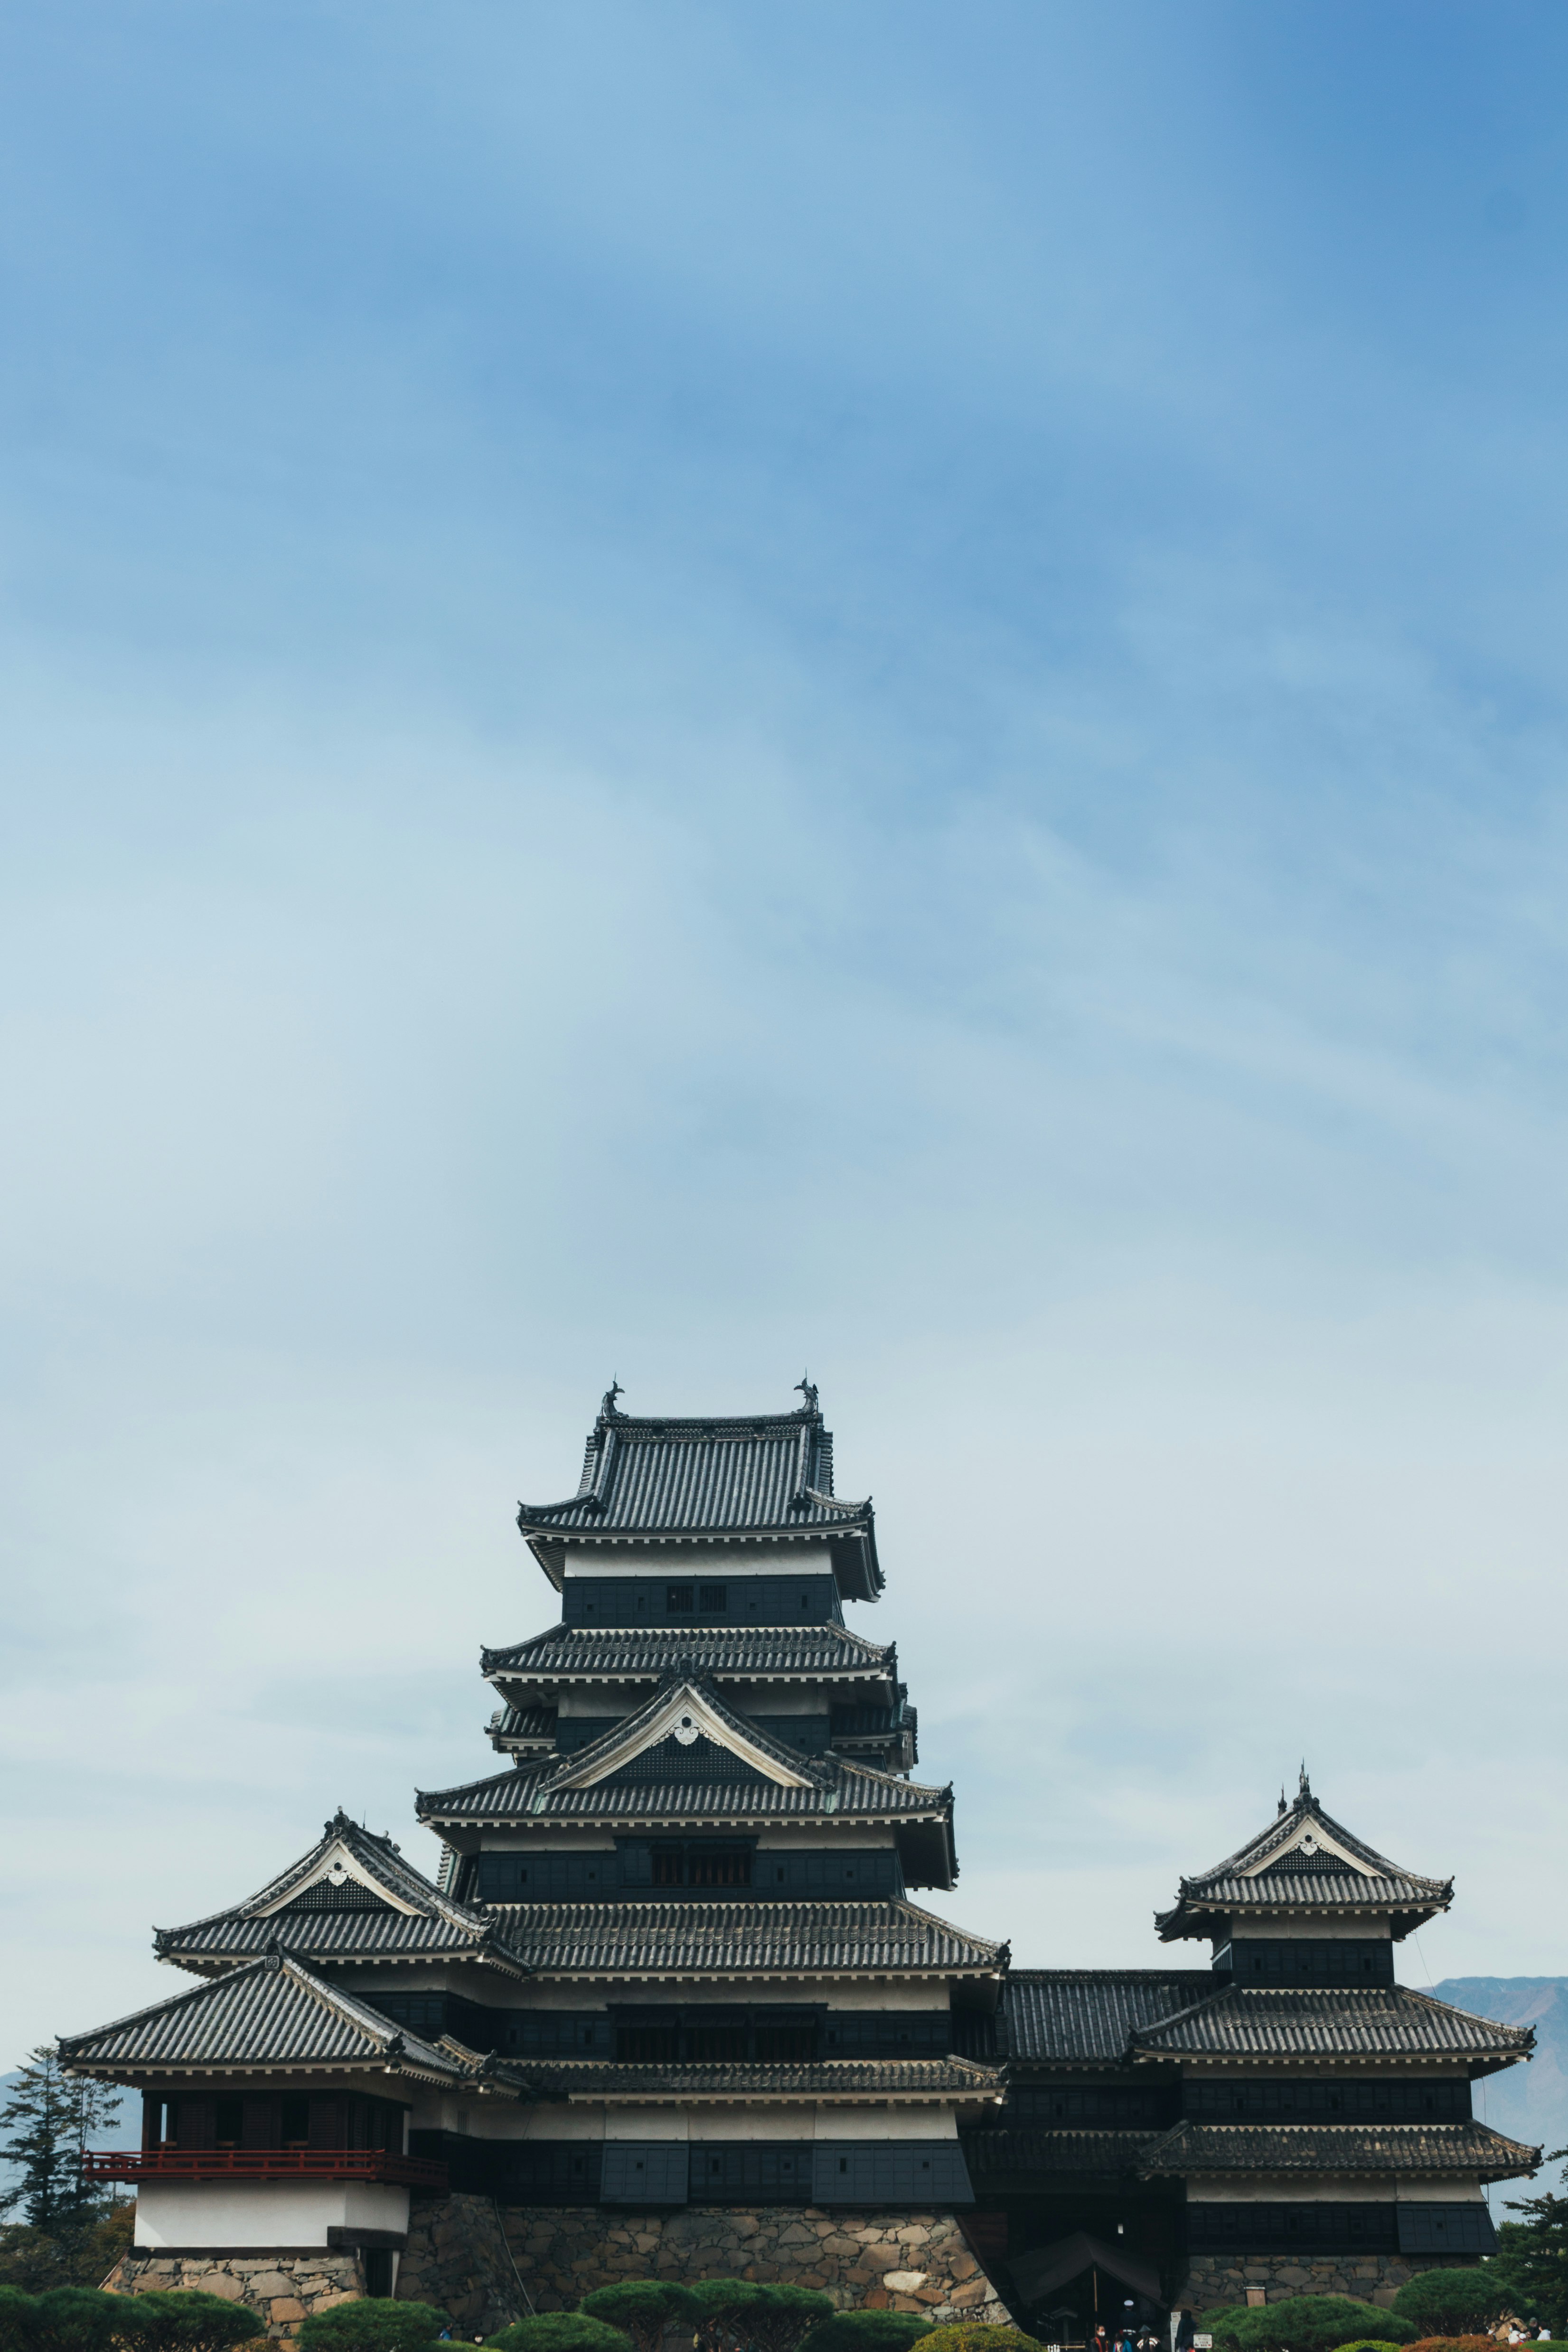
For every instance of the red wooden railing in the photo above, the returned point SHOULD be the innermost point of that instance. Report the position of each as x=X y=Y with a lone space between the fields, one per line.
x=263 y=2164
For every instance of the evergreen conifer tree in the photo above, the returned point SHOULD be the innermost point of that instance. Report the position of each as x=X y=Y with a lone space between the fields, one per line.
x=52 y=2117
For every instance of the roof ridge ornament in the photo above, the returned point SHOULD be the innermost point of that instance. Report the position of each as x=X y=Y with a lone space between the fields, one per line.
x=607 y=1401
x=806 y=1387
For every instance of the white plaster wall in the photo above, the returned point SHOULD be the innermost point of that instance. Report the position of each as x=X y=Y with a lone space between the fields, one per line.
x=886 y=2122
x=262 y=2212
x=714 y=1563
x=1316 y=1931
x=1332 y=2189
x=752 y=2123
x=645 y=2123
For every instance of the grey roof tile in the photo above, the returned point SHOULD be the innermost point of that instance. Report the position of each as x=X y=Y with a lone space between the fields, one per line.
x=738 y=1653
x=357 y=1922
x=1061 y=2016
x=849 y=2078
x=1466 y=2148
x=274 y=2013
x=548 y=1790
x=737 y=1473
x=690 y=1938
x=1272 y=1871
x=1391 y=2021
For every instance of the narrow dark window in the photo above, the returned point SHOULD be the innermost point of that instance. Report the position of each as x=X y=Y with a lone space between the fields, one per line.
x=669 y=1867
x=677 y=1600
x=715 y=1600
x=718 y=1868
x=844 y=2164
x=230 y=2123
x=296 y=2120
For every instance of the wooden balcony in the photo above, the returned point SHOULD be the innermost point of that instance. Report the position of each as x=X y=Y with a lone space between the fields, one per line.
x=377 y=2164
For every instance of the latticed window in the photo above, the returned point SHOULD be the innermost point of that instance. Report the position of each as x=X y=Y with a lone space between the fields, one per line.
x=701 y=1865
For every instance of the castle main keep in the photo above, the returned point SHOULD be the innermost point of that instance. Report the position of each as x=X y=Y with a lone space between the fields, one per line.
x=672 y=2000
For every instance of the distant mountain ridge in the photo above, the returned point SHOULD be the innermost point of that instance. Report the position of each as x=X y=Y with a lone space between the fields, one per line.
x=1528 y=2103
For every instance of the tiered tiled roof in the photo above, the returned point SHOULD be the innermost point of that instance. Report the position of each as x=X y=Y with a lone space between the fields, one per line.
x=351 y=1897
x=1069 y=2016
x=681 y=1939
x=723 y=1652
x=1468 y=2147
x=1304 y=1861
x=911 y=2079
x=733 y=1479
x=730 y=1768
x=1388 y=2021
x=275 y=2013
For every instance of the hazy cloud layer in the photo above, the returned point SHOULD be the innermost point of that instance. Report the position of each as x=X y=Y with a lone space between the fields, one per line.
x=697 y=691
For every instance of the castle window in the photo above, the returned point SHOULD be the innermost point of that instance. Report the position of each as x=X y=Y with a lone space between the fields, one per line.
x=677 y=1600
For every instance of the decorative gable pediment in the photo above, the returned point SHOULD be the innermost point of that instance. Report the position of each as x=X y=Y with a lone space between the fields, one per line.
x=1314 y=1848
x=682 y=1719
x=338 y=1880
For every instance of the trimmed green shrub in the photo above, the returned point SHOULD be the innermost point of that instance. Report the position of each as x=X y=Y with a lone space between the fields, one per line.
x=783 y=2314
x=1220 y=2324
x=866 y=2331
x=1316 y=2323
x=374 y=2322
x=559 y=2331
x=1452 y=2302
x=1374 y=2344
x=17 y=2313
x=640 y=2308
x=178 y=2319
x=721 y=2311
x=81 y=2319
x=975 y=2335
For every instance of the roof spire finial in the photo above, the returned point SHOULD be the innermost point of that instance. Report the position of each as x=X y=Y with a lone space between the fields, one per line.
x=1282 y=1799
x=1306 y=1784
x=608 y=1402
x=803 y=1388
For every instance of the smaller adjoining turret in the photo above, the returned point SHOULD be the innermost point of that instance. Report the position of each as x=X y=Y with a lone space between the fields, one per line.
x=1304 y=1902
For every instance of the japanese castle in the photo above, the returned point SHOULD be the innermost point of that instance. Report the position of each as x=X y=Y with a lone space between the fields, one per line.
x=671 y=1992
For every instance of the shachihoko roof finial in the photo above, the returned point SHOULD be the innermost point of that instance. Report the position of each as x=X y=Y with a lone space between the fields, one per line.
x=1306 y=1784
x=608 y=1402
x=1282 y=1801
x=803 y=1388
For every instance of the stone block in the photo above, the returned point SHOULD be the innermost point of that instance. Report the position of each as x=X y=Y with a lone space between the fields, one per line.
x=879 y=2299
x=904 y=2282
x=908 y=2302
x=970 y=2296
x=963 y=2266
x=286 y=2309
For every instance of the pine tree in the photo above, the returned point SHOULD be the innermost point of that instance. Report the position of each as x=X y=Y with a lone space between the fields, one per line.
x=1533 y=2256
x=39 y=2111
x=53 y=2116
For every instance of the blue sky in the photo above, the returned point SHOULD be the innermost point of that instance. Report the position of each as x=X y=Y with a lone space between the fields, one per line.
x=694 y=690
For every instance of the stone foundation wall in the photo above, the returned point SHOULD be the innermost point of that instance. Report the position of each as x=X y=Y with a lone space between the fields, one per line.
x=907 y=2262
x=1224 y=2278
x=282 y=2290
